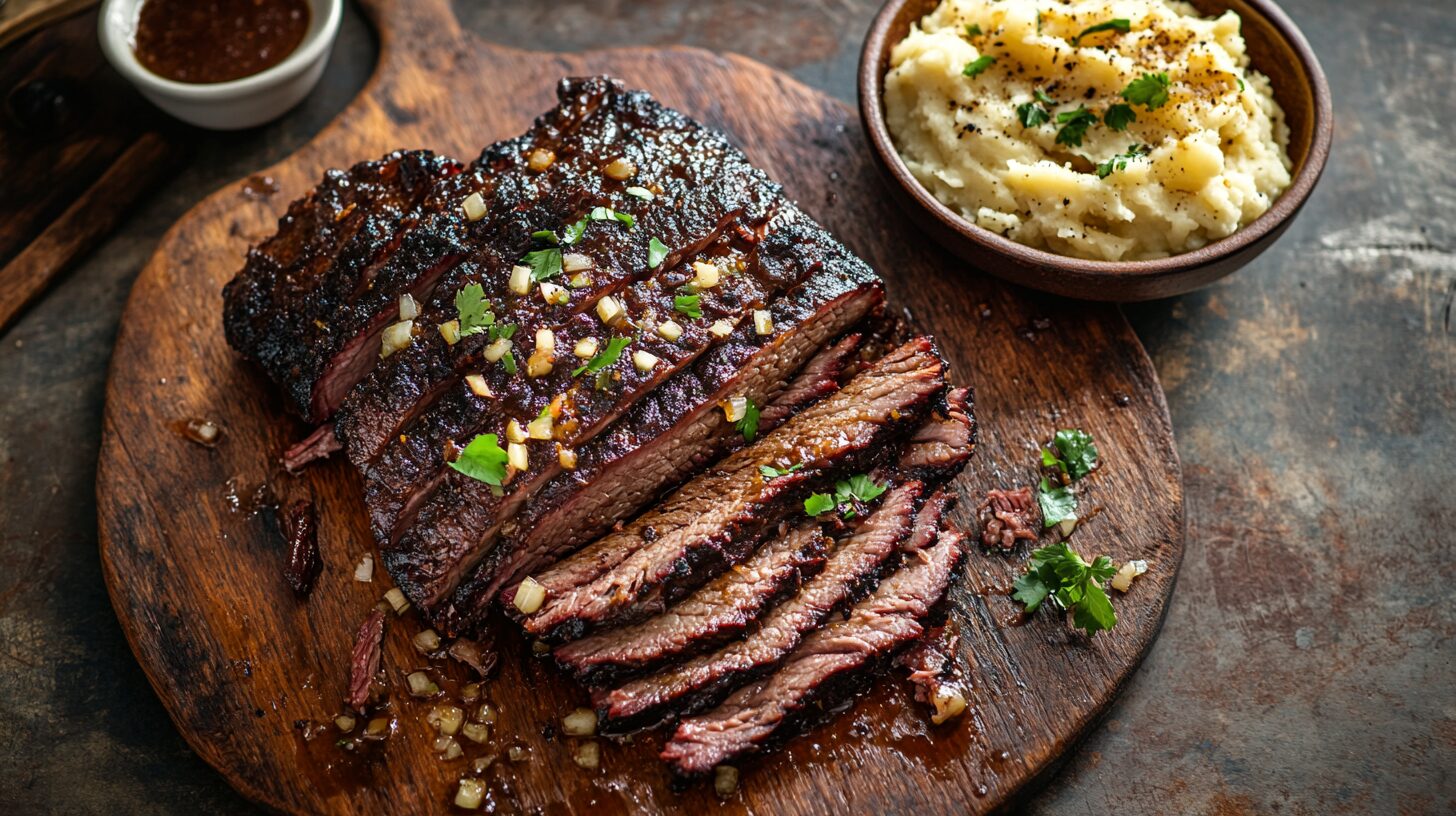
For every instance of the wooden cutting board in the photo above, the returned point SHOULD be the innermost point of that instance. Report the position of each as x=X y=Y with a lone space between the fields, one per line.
x=239 y=662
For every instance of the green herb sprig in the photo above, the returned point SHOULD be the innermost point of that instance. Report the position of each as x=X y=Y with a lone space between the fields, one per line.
x=1057 y=573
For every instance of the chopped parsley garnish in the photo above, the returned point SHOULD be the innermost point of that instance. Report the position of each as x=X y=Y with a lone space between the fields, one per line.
x=1149 y=90
x=1058 y=573
x=475 y=313
x=1058 y=504
x=1117 y=24
x=1241 y=84
x=1031 y=114
x=1074 y=453
x=689 y=305
x=860 y=488
x=1074 y=126
x=508 y=362
x=483 y=460
x=609 y=214
x=973 y=30
x=544 y=263
x=656 y=251
x=1119 y=116
x=1041 y=96
x=771 y=472
x=748 y=424
x=611 y=354
x=1105 y=169
x=977 y=65
x=502 y=331
x=546 y=235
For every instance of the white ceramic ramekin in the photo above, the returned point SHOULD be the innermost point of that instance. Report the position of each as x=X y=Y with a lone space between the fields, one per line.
x=231 y=105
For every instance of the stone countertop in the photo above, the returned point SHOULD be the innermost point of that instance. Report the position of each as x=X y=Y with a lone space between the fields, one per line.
x=1307 y=664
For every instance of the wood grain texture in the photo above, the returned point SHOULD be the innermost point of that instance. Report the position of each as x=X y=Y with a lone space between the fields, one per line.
x=20 y=17
x=237 y=660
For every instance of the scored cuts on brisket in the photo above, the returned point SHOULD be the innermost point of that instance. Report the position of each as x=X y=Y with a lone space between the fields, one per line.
x=665 y=357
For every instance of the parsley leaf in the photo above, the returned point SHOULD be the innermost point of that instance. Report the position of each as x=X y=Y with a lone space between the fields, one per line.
x=973 y=30
x=748 y=424
x=475 y=313
x=1059 y=573
x=483 y=460
x=611 y=354
x=861 y=488
x=1041 y=96
x=546 y=235
x=572 y=233
x=818 y=504
x=1074 y=126
x=1116 y=24
x=1031 y=114
x=508 y=362
x=1078 y=453
x=771 y=472
x=1119 y=116
x=1118 y=162
x=978 y=65
x=1057 y=504
x=609 y=214
x=502 y=331
x=656 y=251
x=544 y=263
x=688 y=304
x=1150 y=90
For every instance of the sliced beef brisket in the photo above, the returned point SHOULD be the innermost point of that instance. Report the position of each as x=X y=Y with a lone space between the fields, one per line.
x=874 y=630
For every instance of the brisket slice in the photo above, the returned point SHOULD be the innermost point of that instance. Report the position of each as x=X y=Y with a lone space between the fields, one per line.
x=838 y=655
x=296 y=305
x=321 y=444
x=852 y=564
x=676 y=430
x=718 y=610
x=699 y=529
x=702 y=187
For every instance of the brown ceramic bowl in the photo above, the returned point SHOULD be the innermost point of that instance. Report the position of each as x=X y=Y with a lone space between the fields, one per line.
x=1276 y=48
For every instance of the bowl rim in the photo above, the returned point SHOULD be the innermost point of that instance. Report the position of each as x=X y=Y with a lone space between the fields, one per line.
x=872 y=112
x=117 y=24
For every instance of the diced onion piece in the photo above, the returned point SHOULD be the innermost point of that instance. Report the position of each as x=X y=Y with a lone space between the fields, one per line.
x=640 y=192
x=497 y=350
x=520 y=282
x=608 y=309
x=420 y=685
x=705 y=275
x=1122 y=581
x=518 y=753
x=586 y=348
x=669 y=330
x=540 y=159
x=470 y=795
x=539 y=428
x=580 y=723
x=720 y=329
x=530 y=595
x=450 y=332
x=949 y=702
x=762 y=321
x=482 y=764
x=396 y=601
x=725 y=780
x=734 y=408
x=364 y=572
x=396 y=336
x=514 y=432
x=487 y=714
x=345 y=722
x=580 y=280
x=517 y=456
x=478 y=385
x=575 y=262
x=446 y=719
x=474 y=206
x=620 y=169
x=449 y=748
x=379 y=726
x=427 y=641
x=588 y=755
x=1066 y=526
x=546 y=341
x=470 y=691
x=554 y=294
x=644 y=360
x=408 y=309
x=566 y=457
x=475 y=732
x=538 y=364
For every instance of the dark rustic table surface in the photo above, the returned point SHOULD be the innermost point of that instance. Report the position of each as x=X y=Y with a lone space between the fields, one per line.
x=1307 y=664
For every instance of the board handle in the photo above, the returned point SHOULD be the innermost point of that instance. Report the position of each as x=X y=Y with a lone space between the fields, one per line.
x=402 y=22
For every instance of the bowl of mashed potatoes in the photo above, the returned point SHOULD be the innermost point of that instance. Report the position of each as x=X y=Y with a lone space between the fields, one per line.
x=1103 y=149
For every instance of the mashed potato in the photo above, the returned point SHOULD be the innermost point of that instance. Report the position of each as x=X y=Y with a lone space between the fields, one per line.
x=1149 y=137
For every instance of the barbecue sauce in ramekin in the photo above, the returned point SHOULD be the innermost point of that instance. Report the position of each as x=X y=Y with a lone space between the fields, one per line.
x=206 y=41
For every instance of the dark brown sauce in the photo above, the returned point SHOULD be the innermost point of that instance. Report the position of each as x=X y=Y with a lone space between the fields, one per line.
x=202 y=41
